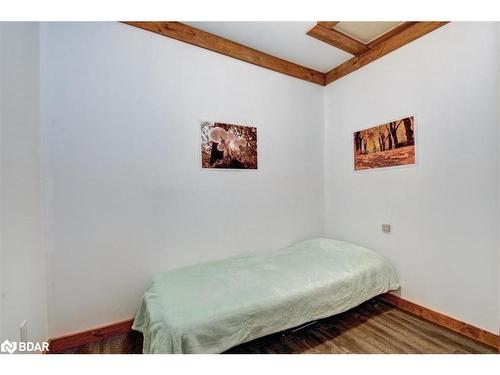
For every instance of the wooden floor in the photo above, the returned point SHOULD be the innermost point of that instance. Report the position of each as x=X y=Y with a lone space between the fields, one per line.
x=373 y=327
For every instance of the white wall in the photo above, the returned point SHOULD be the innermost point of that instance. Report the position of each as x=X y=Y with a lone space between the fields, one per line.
x=2 y=294
x=498 y=124
x=444 y=211
x=125 y=196
x=23 y=256
x=121 y=109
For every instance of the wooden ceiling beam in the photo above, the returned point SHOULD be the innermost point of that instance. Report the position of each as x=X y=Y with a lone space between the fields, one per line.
x=364 y=54
x=328 y=24
x=203 y=39
x=337 y=39
x=396 y=41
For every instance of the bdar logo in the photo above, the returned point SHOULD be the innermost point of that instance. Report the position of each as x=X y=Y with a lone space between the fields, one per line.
x=8 y=347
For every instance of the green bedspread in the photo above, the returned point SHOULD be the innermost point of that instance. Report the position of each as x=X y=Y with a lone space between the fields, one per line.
x=211 y=307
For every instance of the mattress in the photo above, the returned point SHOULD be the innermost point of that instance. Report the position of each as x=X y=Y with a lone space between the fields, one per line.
x=211 y=307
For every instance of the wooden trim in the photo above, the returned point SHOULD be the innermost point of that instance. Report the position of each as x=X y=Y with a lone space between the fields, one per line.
x=337 y=39
x=453 y=324
x=408 y=35
x=328 y=24
x=74 y=340
x=389 y=34
x=200 y=38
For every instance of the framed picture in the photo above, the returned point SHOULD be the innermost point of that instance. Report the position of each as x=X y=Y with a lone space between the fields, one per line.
x=386 y=145
x=228 y=146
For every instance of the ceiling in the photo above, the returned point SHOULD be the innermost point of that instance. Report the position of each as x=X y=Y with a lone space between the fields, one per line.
x=365 y=32
x=319 y=52
x=287 y=40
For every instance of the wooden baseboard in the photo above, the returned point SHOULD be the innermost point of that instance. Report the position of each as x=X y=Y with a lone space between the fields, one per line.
x=453 y=324
x=74 y=340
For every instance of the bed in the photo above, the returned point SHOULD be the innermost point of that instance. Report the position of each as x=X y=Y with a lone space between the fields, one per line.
x=211 y=307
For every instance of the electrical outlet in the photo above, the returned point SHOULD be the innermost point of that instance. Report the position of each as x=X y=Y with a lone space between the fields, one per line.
x=23 y=331
x=386 y=228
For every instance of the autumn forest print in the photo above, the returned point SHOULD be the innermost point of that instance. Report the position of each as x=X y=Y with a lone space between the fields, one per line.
x=385 y=145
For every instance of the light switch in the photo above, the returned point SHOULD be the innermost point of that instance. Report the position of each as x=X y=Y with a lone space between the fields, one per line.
x=386 y=228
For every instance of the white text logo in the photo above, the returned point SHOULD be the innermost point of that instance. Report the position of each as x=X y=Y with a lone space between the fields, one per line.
x=10 y=347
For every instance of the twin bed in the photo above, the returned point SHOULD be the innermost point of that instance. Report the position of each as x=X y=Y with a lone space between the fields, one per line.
x=211 y=307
